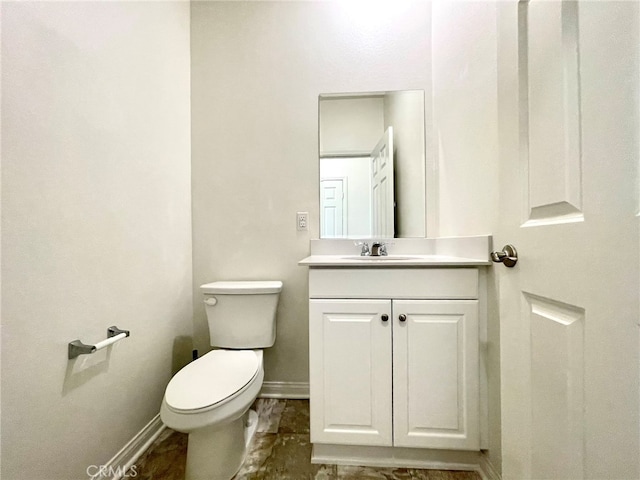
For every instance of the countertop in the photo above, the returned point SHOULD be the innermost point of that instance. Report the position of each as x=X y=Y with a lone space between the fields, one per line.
x=407 y=260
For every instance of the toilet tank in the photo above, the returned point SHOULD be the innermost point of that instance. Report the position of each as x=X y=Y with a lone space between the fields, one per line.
x=242 y=314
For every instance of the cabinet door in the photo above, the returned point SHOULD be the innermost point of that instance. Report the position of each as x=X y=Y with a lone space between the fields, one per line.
x=350 y=372
x=436 y=374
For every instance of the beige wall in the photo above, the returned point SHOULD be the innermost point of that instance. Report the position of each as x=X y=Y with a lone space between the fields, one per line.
x=350 y=124
x=95 y=187
x=465 y=119
x=404 y=111
x=257 y=70
x=95 y=225
x=465 y=116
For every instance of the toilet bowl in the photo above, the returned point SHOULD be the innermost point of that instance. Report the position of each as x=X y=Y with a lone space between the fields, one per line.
x=210 y=399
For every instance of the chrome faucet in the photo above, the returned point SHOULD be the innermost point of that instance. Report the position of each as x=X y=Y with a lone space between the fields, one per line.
x=365 y=248
x=378 y=249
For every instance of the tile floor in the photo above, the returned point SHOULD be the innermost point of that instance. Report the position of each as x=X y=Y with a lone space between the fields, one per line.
x=280 y=451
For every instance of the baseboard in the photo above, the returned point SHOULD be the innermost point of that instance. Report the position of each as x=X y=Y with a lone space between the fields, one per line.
x=396 y=457
x=292 y=390
x=125 y=459
x=487 y=469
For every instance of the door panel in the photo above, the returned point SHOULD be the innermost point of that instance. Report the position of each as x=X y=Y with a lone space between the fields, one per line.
x=350 y=372
x=382 y=187
x=557 y=387
x=436 y=377
x=332 y=205
x=550 y=112
x=568 y=131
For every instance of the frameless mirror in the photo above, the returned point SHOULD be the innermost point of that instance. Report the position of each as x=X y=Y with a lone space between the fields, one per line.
x=372 y=165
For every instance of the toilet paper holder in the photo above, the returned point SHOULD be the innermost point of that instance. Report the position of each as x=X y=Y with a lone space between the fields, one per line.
x=114 y=334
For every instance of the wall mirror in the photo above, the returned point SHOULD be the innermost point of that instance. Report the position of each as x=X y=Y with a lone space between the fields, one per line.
x=372 y=165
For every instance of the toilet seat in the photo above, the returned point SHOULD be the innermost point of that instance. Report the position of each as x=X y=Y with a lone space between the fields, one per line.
x=211 y=380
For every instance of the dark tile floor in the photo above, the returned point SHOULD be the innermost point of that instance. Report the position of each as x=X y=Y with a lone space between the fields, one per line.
x=281 y=450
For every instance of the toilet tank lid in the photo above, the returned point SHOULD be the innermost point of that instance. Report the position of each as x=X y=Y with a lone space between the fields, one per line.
x=242 y=287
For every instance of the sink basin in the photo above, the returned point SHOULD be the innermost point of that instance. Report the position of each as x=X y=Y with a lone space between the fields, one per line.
x=380 y=258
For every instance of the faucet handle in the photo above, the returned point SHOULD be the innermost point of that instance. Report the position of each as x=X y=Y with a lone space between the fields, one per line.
x=365 y=248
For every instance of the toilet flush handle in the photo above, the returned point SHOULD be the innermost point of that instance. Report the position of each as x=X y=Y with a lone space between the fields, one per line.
x=211 y=301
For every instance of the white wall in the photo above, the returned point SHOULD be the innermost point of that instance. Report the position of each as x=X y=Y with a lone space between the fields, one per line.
x=350 y=124
x=465 y=127
x=404 y=111
x=465 y=116
x=95 y=225
x=257 y=69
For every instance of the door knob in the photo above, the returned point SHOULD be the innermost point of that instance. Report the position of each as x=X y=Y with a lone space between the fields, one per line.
x=384 y=317
x=402 y=317
x=508 y=256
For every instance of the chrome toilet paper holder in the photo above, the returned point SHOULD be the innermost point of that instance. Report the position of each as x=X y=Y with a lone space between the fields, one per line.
x=114 y=334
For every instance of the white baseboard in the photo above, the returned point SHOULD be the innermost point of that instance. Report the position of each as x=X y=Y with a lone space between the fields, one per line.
x=396 y=457
x=487 y=469
x=292 y=390
x=125 y=459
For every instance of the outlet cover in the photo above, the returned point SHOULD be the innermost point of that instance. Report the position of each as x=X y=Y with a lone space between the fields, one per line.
x=302 y=221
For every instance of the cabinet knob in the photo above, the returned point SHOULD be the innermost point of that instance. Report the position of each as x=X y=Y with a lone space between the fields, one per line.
x=385 y=317
x=402 y=317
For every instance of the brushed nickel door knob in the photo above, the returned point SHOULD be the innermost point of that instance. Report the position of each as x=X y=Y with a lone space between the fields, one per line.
x=508 y=256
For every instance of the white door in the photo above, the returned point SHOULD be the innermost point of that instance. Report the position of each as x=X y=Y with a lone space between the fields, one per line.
x=568 y=124
x=350 y=371
x=333 y=213
x=382 y=187
x=436 y=374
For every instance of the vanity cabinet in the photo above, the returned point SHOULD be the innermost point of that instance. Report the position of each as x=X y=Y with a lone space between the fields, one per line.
x=394 y=357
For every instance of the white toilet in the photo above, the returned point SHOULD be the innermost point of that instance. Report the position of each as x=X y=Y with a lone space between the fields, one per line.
x=210 y=398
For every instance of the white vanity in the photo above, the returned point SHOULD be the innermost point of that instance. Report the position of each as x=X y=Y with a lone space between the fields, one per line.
x=395 y=345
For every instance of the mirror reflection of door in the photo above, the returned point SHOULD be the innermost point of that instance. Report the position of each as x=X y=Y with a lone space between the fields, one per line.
x=354 y=207
x=366 y=209
x=349 y=127
x=333 y=207
x=382 y=190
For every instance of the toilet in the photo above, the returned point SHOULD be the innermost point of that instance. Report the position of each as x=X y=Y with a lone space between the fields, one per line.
x=210 y=398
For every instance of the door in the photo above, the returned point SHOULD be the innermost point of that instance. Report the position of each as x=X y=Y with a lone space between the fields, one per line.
x=382 y=194
x=568 y=132
x=436 y=374
x=332 y=207
x=350 y=371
